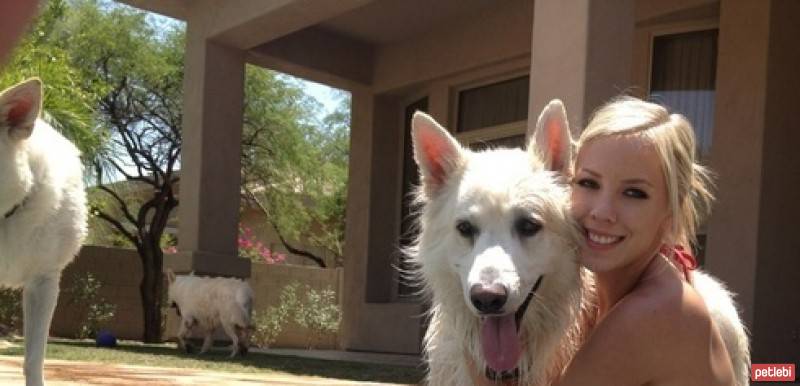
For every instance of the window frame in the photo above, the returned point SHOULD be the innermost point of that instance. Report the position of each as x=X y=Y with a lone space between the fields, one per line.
x=677 y=28
x=489 y=132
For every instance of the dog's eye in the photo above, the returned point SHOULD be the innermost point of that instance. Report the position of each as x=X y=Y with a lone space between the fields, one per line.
x=466 y=229
x=526 y=227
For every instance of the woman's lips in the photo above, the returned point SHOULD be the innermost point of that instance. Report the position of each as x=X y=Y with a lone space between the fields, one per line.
x=601 y=241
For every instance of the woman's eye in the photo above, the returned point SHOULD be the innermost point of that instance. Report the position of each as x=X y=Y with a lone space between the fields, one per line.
x=635 y=193
x=466 y=229
x=587 y=183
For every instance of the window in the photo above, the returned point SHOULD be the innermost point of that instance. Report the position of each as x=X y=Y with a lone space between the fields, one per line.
x=683 y=78
x=493 y=115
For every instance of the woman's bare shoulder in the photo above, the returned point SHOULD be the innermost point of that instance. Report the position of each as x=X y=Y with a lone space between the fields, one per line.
x=675 y=313
x=645 y=338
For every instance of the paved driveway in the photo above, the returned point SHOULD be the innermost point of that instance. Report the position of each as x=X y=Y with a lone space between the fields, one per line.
x=69 y=373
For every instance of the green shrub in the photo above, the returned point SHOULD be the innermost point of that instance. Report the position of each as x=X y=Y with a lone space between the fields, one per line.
x=10 y=311
x=89 y=306
x=269 y=324
x=317 y=311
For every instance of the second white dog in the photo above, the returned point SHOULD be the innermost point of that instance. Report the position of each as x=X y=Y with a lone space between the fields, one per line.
x=204 y=303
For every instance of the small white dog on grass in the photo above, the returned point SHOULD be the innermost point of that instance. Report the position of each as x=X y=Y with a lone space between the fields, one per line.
x=42 y=213
x=203 y=303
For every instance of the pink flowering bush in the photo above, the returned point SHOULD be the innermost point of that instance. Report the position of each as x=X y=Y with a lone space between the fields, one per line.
x=253 y=249
x=249 y=247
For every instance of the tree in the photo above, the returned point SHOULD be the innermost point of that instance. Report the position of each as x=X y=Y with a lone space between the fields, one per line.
x=294 y=168
x=334 y=148
x=131 y=72
x=141 y=72
x=68 y=107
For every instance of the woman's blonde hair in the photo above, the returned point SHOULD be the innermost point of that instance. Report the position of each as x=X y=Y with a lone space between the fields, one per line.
x=688 y=183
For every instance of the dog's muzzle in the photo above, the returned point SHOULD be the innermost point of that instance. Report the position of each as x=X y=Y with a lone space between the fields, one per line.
x=503 y=376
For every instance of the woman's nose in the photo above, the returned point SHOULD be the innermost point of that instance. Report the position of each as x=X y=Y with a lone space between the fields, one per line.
x=603 y=210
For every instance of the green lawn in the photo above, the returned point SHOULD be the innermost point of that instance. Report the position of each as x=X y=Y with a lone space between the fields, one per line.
x=166 y=355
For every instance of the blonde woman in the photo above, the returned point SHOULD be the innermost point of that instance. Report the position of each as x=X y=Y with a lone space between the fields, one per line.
x=638 y=196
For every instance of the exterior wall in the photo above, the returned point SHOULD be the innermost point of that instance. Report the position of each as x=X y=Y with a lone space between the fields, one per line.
x=581 y=55
x=752 y=236
x=778 y=273
x=493 y=35
x=119 y=271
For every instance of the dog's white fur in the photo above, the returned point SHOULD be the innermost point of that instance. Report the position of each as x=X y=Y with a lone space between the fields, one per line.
x=724 y=313
x=42 y=177
x=491 y=189
x=205 y=303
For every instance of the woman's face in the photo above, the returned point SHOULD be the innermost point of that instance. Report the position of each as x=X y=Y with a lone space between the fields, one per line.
x=620 y=200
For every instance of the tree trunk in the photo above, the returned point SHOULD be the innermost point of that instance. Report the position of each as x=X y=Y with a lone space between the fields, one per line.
x=150 y=289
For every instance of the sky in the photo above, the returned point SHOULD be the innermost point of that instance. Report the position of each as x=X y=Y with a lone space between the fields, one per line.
x=321 y=93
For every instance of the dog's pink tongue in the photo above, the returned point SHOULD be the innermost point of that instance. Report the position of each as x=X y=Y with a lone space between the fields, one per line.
x=500 y=343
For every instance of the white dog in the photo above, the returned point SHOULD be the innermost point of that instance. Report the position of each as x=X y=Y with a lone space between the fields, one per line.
x=497 y=254
x=205 y=303
x=43 y=209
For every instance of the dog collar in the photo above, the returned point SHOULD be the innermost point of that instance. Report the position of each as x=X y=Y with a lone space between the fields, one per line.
x=505 y=376
x=15 y=208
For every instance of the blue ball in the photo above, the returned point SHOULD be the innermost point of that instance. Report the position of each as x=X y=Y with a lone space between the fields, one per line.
x=105 y=339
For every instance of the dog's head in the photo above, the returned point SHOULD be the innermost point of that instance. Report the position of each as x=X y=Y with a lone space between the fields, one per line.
x=19 y=109
x=496 y=223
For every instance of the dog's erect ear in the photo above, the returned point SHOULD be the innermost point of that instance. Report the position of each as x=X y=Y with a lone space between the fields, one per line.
x=437 y=153
x=170 y=276
x=552 y=141
x=19 y=108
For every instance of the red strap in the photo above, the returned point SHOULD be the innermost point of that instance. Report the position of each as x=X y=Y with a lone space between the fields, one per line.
x=683 y=257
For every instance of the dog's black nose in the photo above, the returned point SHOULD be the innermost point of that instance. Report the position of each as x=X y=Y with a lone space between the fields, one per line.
x=488 y=299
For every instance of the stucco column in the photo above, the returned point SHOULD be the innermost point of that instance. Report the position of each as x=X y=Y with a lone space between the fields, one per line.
x=752 y=242
x=581 y=53
x=210 y=160
x=372 y=321
x=356 y=247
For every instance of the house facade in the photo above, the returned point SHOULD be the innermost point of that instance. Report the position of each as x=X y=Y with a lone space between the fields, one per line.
x=485 y=69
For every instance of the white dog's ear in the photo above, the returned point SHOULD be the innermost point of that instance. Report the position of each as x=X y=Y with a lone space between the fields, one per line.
x=552 y=141
x=19 y=108
x=437 y=153
x=170 y=276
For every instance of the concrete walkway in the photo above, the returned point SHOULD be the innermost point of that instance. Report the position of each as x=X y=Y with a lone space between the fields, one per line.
x=349 y=356
x=72 y=373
